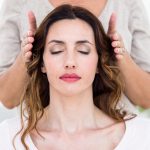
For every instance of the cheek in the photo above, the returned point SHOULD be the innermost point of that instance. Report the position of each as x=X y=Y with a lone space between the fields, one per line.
x=51 y=63
x=52 y=68
x=91 y=64
x=52 y=74
x=90 y=67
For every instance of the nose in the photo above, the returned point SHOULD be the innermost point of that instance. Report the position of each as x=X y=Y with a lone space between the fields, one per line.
x=70 y=62
x=70 y=66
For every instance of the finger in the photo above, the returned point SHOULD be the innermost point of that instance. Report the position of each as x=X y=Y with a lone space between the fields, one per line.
x=27 y=40
x=30 y=39
x=30 y=33
x=27 y=35
x=117 y=44
x=28 y=56
x=32 y=21
x=27 y=48
x=119 y=57
x=116 y=37
x=112 y=24
x=120 y=51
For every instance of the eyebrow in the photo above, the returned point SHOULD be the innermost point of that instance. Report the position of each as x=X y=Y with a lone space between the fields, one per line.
x=77 y=42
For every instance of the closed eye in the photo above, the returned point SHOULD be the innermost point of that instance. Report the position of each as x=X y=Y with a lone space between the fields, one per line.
x=56 y=52
x=83 y=52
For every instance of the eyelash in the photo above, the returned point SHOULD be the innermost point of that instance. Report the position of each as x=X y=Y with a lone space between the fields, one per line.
x=57 y=52
x=83 y=52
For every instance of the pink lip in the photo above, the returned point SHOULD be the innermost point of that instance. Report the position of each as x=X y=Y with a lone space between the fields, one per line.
x=70 y=77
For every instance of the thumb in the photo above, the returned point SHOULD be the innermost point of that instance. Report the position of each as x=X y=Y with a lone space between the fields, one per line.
x=112 y=24
x=32 y=21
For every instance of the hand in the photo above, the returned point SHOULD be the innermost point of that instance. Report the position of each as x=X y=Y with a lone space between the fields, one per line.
x=118 y=45
x=28 y=39
x=26 y=46
x=117 y=42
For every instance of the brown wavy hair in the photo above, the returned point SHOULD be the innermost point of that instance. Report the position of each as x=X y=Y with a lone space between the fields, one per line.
x=107 y=85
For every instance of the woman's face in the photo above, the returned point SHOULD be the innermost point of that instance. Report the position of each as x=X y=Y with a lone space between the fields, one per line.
x=70 y=57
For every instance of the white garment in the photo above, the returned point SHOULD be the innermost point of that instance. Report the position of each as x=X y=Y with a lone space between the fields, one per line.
x=132 y=24
x=136 y=137
x=8 y=130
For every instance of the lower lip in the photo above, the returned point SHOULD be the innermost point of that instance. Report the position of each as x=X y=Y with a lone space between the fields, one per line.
x=70 y=80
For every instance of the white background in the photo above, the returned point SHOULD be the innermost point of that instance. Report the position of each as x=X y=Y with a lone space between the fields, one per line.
x=5 y=113
x=147 y=5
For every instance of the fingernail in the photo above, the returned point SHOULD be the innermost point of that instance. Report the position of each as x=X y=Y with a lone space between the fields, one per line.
x=116 y=50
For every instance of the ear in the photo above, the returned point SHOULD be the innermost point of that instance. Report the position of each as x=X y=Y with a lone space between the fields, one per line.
x=43 y=69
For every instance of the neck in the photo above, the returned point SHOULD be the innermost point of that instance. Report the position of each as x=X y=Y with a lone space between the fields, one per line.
x=71 y=113
x=96 y=6
x=72 y=2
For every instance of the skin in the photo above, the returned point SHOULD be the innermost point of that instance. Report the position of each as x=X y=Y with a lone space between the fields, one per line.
x=96 y=6
x=72 y=119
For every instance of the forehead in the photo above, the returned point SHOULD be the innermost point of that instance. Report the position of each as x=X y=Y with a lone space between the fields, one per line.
x=71 y=29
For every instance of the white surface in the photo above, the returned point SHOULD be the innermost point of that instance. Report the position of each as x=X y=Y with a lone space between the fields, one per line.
x=147 y=5
x=7 y=113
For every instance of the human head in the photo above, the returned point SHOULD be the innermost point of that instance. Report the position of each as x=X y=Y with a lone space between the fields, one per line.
x=69 y=50
x=107 y=86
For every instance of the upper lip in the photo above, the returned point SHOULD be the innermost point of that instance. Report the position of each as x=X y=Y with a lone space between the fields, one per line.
x=72 y=75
